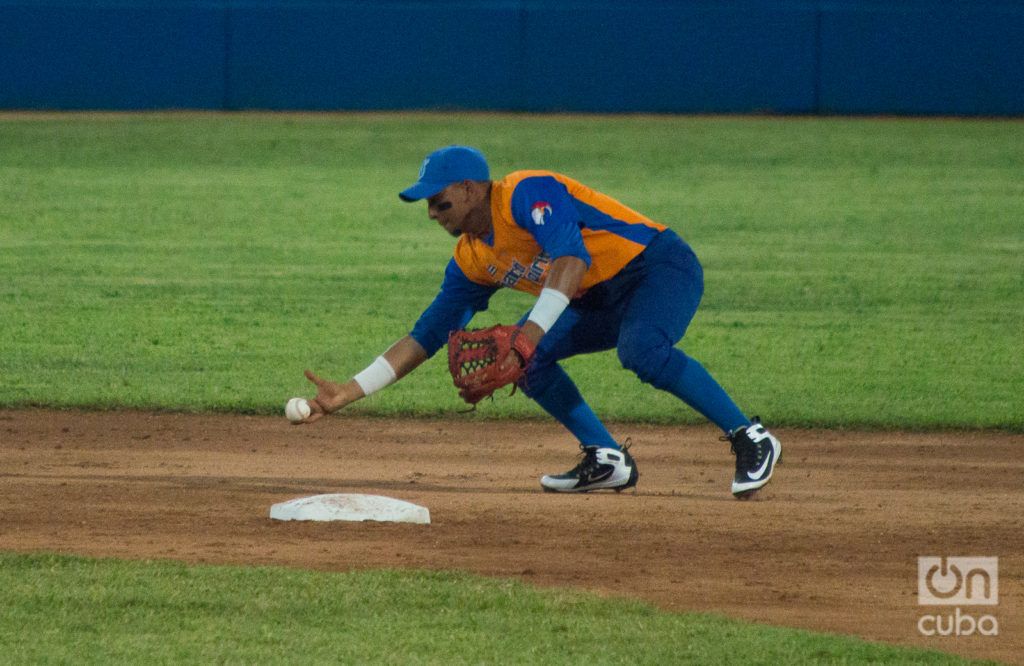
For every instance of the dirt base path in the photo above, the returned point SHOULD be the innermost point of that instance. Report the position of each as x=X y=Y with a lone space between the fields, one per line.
x=832 y=544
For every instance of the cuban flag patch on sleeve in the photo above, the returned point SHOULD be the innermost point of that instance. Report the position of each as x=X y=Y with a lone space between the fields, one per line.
x=540 y=211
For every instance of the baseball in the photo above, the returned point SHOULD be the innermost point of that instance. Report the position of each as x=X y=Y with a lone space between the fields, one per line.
x=297 y=410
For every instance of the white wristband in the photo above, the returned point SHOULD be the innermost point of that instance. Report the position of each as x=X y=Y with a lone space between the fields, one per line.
x=376 y=376
x=550 y=305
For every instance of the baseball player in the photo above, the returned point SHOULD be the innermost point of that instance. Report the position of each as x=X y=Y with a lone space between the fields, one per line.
x=605 y=277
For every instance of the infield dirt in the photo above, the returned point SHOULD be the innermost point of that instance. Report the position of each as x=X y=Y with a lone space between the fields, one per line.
x=831 y=545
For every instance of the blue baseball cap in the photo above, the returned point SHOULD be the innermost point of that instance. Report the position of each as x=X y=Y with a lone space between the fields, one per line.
x=441 y=168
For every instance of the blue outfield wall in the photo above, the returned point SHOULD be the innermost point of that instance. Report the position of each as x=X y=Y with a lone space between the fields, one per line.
x=687 y=56
x=100 y=55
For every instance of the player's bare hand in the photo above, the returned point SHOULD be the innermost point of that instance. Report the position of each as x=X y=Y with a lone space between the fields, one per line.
x=327 y=400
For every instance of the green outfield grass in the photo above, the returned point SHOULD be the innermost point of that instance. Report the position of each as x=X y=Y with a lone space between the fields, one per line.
x=859 y=272
x=63 y=609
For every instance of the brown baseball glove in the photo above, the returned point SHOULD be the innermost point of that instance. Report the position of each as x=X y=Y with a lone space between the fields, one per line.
x=483 y=360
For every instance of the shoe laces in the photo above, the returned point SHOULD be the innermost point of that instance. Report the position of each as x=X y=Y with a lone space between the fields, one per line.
x=746 y=455
x=745 y=450
x=588 y=462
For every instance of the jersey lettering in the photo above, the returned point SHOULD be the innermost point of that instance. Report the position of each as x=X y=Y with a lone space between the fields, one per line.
x=538 y=268
x=513 y=275
x=534 y=272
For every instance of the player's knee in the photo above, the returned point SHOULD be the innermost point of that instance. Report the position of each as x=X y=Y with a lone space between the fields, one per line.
x=644 y=356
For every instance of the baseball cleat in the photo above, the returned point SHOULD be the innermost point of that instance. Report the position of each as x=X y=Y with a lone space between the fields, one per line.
x=600 y=468
x=757 y=451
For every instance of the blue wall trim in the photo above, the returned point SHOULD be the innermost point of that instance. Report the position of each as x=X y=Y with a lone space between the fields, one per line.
x=687 y=56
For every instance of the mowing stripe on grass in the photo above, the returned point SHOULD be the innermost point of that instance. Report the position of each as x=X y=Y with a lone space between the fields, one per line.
x=70 y=609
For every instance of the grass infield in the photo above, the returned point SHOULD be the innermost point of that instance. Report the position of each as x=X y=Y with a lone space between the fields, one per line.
x=66 y=609
x=859 y=272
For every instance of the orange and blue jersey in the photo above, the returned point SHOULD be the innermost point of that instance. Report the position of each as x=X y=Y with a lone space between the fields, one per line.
x=538 y=216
